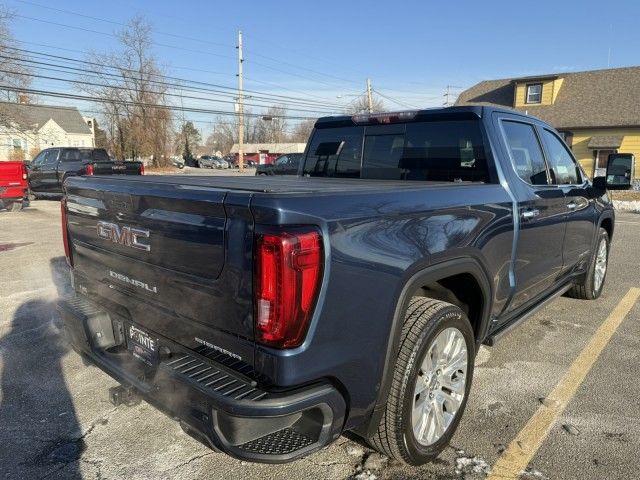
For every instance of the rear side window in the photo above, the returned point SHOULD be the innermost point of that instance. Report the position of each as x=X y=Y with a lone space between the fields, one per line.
x=563 y=168
x=526 y=152
x=436 y=151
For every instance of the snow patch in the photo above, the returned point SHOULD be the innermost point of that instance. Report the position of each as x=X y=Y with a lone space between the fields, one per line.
x=471 y=465
x=627 y=205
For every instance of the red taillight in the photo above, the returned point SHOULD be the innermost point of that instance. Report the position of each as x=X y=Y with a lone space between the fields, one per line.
x=65 y=231
x=287 y=281
x=24 y=172
x=142 y=169
x=88 y=170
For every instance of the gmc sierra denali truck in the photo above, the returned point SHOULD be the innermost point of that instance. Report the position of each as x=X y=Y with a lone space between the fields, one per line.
x=271 y=314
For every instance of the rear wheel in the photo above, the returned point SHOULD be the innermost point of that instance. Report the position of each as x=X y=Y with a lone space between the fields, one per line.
x=16 y=206
x=592 y=284
x=431 y=382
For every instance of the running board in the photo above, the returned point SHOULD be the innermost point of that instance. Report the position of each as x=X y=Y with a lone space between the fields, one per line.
x=494 y=337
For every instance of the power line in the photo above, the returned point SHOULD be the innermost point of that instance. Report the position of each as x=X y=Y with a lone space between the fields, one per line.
x=113 y=22
x=174 y=46
x=182 y=37
x=306 y=94
x=100 y=113
x=258 y=94
x=50 y=93
x=129 y=89
x=75 y=27
x=396 y=101
x=448 y=93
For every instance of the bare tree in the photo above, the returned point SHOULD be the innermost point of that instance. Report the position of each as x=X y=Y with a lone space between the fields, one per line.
x=361 y=105
x=225 y=132
x=302 y=131
x=272 y=127
x=14 y=73
x=132 y=102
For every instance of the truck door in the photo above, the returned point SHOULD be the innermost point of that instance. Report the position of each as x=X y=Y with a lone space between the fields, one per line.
x=49 y=172
x=35 y=171
x=542 y=213
x=580 y=209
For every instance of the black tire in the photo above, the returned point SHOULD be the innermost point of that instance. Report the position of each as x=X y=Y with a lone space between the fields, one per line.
x=424 y=320
x=586 y=289
x=16 y=206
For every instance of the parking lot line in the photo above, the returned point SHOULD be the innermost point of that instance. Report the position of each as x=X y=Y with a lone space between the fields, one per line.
x=522 y=449
x=624 y=222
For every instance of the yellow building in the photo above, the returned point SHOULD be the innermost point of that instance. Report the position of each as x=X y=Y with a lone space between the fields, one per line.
x=598 y=111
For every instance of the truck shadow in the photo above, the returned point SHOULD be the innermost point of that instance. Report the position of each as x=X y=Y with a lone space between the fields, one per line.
x=39 y=431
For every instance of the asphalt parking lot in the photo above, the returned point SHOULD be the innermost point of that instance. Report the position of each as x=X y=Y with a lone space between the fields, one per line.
x=56 y=420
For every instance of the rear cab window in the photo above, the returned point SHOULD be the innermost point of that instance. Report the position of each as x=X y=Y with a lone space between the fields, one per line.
x=439 y=150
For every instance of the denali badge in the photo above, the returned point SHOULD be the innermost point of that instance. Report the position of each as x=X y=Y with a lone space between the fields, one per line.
x=133 y=281
x=124 y=235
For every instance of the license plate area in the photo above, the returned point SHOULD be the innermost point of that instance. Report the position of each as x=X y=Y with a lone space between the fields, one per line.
x=142 y=345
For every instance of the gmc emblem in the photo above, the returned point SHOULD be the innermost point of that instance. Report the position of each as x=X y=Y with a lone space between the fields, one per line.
x=124 y=235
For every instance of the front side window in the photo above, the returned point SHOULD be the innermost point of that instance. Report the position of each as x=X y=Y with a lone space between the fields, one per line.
x=562 y=167
x=282 y=160
x=526 y=153
x=534 y=93
x=39 y=158
x=51 y=157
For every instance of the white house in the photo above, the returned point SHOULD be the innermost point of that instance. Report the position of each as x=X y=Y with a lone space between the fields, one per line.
x=26 y=129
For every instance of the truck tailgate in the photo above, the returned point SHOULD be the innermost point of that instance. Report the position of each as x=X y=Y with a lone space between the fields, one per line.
x=158 y=250
x=116 y=167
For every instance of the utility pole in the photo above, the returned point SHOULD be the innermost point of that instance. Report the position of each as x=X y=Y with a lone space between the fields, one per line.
x=369 y=97
x=240 y=107
x=448 y=93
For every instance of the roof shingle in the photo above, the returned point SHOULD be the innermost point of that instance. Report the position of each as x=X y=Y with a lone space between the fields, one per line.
x=35 y=116
x=598 y=98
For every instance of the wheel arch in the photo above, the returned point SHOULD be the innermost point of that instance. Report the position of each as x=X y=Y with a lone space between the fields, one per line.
x=449 y=274
x=607 y=222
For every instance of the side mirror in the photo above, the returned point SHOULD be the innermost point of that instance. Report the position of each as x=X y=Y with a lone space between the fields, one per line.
x=600 y=183
x=620 y=170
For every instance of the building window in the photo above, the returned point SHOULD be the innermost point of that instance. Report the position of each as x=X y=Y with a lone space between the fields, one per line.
x=534 y=93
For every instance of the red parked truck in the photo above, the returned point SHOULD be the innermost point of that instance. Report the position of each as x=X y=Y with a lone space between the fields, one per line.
x=13 y=185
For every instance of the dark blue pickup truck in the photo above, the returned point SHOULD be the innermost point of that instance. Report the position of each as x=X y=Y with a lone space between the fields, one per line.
x=272 y=314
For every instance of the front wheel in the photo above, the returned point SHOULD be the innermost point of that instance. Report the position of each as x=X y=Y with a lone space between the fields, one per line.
x=590 y=287
x=430 y=384
x=16 y=206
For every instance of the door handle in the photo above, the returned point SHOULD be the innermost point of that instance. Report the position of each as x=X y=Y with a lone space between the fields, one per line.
x=572 y=205
x=531 y=213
